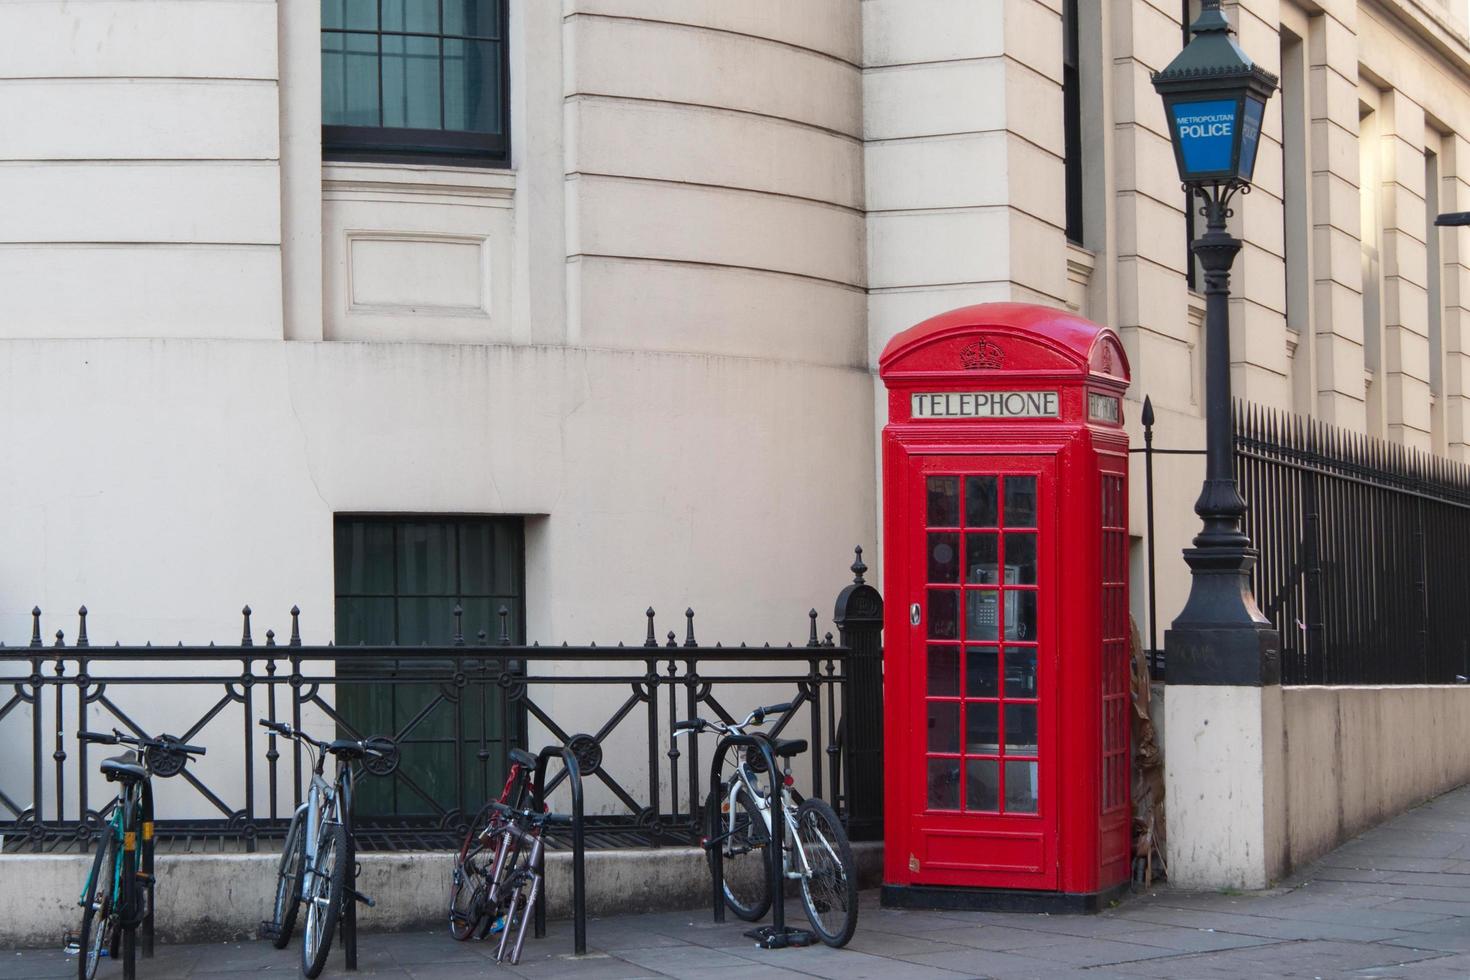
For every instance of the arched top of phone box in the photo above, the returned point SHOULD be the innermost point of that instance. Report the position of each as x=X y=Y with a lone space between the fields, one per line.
x=1013 y=340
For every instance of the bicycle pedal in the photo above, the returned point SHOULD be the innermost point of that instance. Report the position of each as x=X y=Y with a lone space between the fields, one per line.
x=71 y=945
x=364 y=899
x=269 y=930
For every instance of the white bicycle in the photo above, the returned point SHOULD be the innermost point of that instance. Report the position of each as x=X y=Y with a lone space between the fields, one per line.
x=815 y=851
x=318 y=866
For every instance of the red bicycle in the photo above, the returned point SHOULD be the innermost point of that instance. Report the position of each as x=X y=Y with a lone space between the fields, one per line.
x=479 y=888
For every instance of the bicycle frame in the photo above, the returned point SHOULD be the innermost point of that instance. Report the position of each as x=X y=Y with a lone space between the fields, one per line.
x=322 y=805
x=763 y=806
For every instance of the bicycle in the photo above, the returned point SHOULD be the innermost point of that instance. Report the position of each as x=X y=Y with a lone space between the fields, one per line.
x=474 y=905
x=515 y=880
x=816 y=851
x=118 y=894
x=319 y=853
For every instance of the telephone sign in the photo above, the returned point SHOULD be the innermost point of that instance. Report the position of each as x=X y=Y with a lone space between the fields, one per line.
x=1006 y=685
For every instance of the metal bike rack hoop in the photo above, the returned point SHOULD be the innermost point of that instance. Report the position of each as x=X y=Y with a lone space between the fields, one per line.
x=777 y=935
x=573 y=772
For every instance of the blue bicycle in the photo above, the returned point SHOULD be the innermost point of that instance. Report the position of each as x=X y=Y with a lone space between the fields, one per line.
x=118 y=894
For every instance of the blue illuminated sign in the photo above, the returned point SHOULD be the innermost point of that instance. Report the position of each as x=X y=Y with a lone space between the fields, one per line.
x=1250 y=136
x=1205 y=134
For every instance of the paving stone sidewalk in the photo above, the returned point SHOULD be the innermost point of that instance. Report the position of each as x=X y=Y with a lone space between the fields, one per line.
x=1394 y=902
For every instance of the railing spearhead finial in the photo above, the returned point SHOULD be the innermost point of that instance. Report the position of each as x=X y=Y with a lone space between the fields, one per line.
x=689 y=628
x=650 y=640
x=812 y=640
x=1147 y=415
x=35 y=626
x=295 y=640
x=504 y=626
x=245 y=638
x=858 y=568
x=82 y=640
x=458 y=625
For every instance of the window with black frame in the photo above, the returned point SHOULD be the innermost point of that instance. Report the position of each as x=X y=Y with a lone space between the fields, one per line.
x=410 y=79
x=1072 y=120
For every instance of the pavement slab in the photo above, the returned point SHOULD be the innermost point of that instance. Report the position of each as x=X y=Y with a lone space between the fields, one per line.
x=1394 y=902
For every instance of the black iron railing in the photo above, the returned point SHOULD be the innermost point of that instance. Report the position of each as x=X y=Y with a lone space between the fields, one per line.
x=614 y=707
x=1363 y=549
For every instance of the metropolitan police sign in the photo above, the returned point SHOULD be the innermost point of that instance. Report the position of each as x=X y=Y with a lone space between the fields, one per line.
x=984 y=405
x=1206 y=137
x=1205 y=132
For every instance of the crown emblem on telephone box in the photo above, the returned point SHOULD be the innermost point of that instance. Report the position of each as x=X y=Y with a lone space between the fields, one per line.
x=982 y=355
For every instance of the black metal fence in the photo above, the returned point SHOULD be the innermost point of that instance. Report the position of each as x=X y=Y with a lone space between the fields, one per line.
x=613 y=706
x=1363 y=552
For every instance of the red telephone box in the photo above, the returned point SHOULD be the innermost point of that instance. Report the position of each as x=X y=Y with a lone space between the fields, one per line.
x=1006 y=671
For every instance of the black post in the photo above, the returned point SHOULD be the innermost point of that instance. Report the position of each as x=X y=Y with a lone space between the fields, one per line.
x=1221 y=636
x=1312 y=657
x=1148 y=511
x=150 y=883
x=348 y=912
x=859 y=619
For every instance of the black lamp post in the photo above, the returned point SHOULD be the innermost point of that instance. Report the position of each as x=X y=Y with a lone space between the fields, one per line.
x=1214 y=97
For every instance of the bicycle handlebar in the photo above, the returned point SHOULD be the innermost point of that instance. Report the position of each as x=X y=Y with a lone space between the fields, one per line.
x=528 y=814
x=756 y=717
x=286 y=731
x=119 y=738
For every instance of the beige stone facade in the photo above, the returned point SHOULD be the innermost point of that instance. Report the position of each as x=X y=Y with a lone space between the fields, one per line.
x=1347 y=302
x=654 y=333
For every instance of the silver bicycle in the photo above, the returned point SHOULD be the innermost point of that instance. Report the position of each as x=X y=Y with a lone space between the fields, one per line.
x=318 y=866
x=815 y=852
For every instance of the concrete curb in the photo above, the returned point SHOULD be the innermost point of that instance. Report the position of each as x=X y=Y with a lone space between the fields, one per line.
x=222 y=897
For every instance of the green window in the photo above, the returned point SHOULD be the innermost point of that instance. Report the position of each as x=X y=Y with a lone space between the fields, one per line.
x=397 y=582
x=405 y=79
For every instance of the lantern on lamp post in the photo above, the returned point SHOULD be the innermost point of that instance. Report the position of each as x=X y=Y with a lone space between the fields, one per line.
x=1214 y=98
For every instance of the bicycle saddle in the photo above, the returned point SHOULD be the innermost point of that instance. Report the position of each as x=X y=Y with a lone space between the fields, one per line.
x=785 y=748
x=346 y=748
x=125 y=768
x=523 y=757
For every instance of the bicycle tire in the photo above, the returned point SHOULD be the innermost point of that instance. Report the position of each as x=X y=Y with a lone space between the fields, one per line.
x=830 y=891
x=288 y=882
x=324 y=898
x=99 y=922
x=747 y=884
x=467 y=888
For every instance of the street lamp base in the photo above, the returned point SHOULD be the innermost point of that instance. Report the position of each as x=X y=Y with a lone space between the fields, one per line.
x=1221 y=637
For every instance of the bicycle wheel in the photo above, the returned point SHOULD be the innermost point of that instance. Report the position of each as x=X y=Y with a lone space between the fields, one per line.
x=747 y=885
x=288 y=882
x=99 y=921
x=467 y=886
x=829 y=890
x=325 y=882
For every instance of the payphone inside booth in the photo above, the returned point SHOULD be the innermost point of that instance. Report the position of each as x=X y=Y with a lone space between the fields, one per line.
x=1006 y=662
